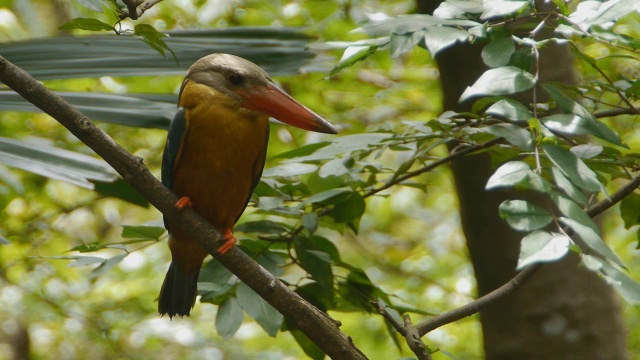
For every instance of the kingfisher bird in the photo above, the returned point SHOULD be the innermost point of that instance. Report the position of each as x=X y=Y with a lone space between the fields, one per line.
x=214 y=156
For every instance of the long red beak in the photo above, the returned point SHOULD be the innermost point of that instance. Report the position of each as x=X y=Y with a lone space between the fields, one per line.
x=273 y=101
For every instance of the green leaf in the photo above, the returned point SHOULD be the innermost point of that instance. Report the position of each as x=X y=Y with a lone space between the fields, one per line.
x=153 y=38
x=272 y=262
x=352 y=55
x=438 y=38
x=261 y=311
x=572 y=210
x=592 y=239
x=335 y=167
x=578 y=117
x=574 y=168
x=329 y=197
x=351 y=209
x=524 y=216
x=541 y=246
x=95 y=5
x=310 y=222
x=142 y=232
x=591 y=13
x=107 y=265
x=628 y=288
x=40 y=158
x=310 y=348
x=263 y=227
x=401 y=44
x=229 y=318
x=630 y=210
x=509 y=174
x=587 y=151
x=500 y=81
x=86 y=24
x=514 y=134
x=138 y=110
x=214 y=272
x=305 y=150
x=315 y=261
x=498 y=52
x=121 y=189
x=289 y=169
x=510 y=110
x=564 y=184
x=500 y=8
x=570 y=124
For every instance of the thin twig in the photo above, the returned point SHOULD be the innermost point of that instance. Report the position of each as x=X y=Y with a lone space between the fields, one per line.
x=434 y=164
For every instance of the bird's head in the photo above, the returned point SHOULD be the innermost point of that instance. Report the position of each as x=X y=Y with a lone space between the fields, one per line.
x=252 y=87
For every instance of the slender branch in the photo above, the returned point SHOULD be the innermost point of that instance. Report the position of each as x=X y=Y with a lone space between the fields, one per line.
x=614 y=112
x=477 y=305
x=136 y=10
x=412 y=336
x=410 y=332
x=515 y=283
x=433 y=165
x=317 y=325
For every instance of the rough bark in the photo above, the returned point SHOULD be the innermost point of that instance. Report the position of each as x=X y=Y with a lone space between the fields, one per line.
x=563 y=311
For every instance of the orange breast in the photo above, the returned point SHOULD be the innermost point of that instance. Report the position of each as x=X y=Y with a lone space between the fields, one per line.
x=223 y=152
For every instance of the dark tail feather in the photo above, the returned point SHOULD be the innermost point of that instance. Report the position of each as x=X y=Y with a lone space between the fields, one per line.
x=178 y=292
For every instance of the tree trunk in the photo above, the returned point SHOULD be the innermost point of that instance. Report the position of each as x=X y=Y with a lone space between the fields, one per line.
x=564 y=311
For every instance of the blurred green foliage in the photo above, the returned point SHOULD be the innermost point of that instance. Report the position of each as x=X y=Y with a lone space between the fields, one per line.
x=82 y=271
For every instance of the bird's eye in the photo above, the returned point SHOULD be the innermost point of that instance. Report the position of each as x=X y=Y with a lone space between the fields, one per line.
x=236 y=79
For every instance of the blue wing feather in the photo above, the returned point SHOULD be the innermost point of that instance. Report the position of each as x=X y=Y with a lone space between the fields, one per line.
x=177 y=130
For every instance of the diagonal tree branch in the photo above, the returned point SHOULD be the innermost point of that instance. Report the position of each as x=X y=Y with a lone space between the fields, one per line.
x=321 y=329
x=515 y=283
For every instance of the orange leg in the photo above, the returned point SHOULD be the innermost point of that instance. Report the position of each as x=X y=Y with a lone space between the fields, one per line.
x=183 y=202
x=229 y=241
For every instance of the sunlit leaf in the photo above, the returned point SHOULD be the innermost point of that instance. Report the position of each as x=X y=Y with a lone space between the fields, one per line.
x=524 y=216
x=500 y=8
x=498 y=52
x=568 y=187
x=514 y=134
x=627 y=287
x=510 y=109
x=95 y=5
x=508 y=174
x=289 y=169
x=592 y=239
x=500 y=81
x=441 y=37
x=574 y=168
x=587 y=151
x=329 y=197
x=541 y=246
x=583 y=123
x=401 y=44
x=352 y=55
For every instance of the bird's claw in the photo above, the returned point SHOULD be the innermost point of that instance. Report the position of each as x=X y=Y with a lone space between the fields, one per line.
x=229 y=241
x=183 y=202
